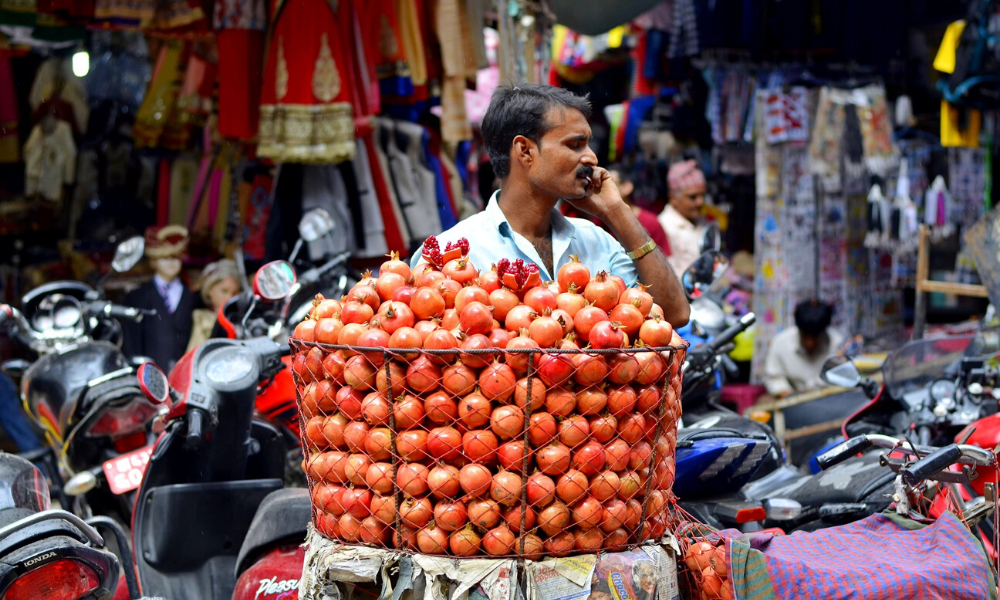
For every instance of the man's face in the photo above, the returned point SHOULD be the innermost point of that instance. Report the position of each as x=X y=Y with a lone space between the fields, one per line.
x=810 y=343
x=689 y=201
x=562 y=161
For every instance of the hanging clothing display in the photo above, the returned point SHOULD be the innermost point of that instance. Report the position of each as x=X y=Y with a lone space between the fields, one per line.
x=10 y=151
x=152 y=14
x=161 y=96
x=56 y=84
x=49 y=160
x=459 y=63
x=371 y=213
x=240 y=27
x=305 y=113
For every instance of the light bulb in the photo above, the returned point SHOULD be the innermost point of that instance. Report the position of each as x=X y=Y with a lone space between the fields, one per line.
x=81 y=63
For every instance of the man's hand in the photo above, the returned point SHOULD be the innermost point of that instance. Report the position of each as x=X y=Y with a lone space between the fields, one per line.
x=603 y=196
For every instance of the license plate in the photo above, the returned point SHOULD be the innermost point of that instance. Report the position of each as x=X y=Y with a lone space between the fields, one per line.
x=124 y=473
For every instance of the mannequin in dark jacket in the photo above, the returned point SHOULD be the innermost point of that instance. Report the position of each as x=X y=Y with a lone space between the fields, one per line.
x=163 y=337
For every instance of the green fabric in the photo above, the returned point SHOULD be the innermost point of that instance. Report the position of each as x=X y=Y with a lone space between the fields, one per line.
x=748 y=573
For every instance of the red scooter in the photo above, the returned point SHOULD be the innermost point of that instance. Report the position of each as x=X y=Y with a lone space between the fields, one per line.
x=212 y=519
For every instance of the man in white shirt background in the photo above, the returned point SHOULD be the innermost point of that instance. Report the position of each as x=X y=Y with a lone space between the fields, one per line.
x=797 y=354
x=682 y=219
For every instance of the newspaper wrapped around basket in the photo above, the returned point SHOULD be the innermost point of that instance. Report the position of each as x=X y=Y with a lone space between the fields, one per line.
x=504 y=453
x=882 y=556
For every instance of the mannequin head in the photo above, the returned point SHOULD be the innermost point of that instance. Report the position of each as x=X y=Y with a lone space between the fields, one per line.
x=167 y=269
x=219 y=282
x=165 y=248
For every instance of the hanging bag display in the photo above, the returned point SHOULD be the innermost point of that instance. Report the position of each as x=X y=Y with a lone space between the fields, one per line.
x=974 y=79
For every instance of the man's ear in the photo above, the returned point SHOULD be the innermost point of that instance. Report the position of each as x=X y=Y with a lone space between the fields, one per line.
x=523 y=150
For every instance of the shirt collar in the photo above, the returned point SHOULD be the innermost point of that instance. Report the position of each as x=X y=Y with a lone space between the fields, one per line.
x=671 y=214
x=163 y=285
x=561 y=226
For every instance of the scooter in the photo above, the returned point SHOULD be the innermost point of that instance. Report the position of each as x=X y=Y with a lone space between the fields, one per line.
x=81 y=391
x=211 y=516
x=52 y=554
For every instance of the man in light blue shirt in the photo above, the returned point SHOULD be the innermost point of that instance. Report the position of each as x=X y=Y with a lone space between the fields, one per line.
x=537 y=137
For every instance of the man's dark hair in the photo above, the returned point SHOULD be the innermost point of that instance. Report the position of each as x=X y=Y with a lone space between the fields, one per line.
x=812 y=317
x=520 y=110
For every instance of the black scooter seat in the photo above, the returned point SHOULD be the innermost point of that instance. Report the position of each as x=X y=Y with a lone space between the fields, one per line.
x=857 y=479
x=283 y=515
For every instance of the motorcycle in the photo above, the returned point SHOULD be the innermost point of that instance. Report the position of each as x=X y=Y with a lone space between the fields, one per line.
x=212 y=519
x=81 y=390
x=932 y=390
x=53 y=554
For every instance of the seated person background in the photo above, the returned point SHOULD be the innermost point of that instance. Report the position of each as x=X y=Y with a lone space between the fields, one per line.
x=797 y=354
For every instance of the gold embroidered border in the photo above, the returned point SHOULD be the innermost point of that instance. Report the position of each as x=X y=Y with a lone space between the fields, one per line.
x=306 y=133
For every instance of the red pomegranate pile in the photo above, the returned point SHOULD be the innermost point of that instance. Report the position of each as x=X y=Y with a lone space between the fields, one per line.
x=446 y=422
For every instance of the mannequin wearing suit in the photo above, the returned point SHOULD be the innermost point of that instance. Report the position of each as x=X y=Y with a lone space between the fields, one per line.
x=163 y=337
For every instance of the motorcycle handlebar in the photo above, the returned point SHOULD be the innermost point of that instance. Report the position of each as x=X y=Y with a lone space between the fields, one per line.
x=194 y=432
x=116 y=311
x=843 y=451
x=313 y=275
x=731 y=332
x=927 y=466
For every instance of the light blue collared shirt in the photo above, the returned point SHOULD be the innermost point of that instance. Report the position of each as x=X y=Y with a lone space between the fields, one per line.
x=492 y=238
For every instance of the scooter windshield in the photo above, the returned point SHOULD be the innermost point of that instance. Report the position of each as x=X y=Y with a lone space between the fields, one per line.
x=920 y=362
x=22 y=485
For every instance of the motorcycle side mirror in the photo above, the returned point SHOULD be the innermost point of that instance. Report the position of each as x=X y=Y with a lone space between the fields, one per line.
x=315 y=224
x=711 y=239
x=274 y=280
x=15 y=368
x=703 y=272
x=841 y=372
x=128 y=254
x=153 y=383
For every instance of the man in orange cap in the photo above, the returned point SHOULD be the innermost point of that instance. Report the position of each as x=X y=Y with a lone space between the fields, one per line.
x=163 y=337
x=681 y=219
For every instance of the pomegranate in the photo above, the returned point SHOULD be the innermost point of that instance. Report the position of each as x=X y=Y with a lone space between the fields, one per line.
x=460 y=270
x=546 y=331
x=589 y=540
x=412 y=479
x=440 y=408
x=500 y=337
x=449 y=289
x=432 y=540
x=519 y=361
x=471 y=293
x=458 y=379
x=404 y=293
x=623 y=368
x=423 y=375
x=570 y=301
x=561 y=402
x=499 y=541
x=378 y=444
x=555 y=369
x=474 y=410
x=484 y=513
x=497 y=381
x=357 y=502
x=394 y=315
x=589 y=458
x=587 y=513
x=444 y=443
x=604 y=486
x=560 y=544
x=607 y=334
x=475 y=318
x=379 y=477
x=480 y=446
x=441 y=339
x=554 y=518
x=394 y=375
x=407 y=340
x=602 y=292
x=651 y=368
x=537 y=393
x=451 y=515
x=630 y=318
x=573 y=273
x=621 y=400
x=503 y=300
x=541 y=299
x=656 y=332
x=355 y=312
x=616 y=455
x=375 y=409
x=326 y=331
x=638 y=297
x=511 y=455
x=355 y=434
x=520 y=317
x=541 y=490
x=591 y=401
x=585 y=320
x=475 y=480
x=506 y=488
x=490 y=280
x=542 y=429
x=514 y=515
x=326 y=307
x=465 y=542
x=359 y=373
x=427 y=303
x=471 y=344
x=529 y=545
x=553 y=459
x=574 y=430
x=632 y=428
x=507 y=421
x=395 y=265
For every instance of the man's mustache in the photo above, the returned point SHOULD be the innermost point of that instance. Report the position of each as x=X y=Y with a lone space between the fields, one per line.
x=585 y=172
